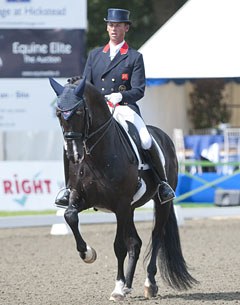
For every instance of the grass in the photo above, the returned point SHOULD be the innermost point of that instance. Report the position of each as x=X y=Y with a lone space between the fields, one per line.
x=26 y=213
x=53 y=212
x=32 y=213
x=196 y=205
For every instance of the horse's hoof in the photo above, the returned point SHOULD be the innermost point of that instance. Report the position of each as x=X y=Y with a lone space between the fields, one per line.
x=150 y=290
x=127 y=290
x=116 y=297
x=89 y=256
x=118 y=293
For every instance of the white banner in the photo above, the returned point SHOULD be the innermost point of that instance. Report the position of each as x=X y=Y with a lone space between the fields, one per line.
x=43 y=14
x=27 y=104
x=30 y=185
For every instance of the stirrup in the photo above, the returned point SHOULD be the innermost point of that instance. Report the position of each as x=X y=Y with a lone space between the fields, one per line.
x=165 y=192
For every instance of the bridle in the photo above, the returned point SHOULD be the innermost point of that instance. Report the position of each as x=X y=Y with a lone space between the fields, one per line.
x=86 y=136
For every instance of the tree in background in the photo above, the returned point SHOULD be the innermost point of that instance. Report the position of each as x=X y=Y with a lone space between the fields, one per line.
x=147 y=16
x=208 y=103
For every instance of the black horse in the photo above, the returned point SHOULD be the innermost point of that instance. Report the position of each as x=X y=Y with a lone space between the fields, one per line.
x=105 y=174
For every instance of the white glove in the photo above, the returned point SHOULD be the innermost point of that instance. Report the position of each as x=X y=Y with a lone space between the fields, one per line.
x=114 y=98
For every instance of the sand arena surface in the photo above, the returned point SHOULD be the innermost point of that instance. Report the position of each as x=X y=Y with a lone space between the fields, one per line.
x=37 y=268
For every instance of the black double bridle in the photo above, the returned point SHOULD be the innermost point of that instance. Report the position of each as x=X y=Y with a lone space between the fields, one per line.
x=86 y=136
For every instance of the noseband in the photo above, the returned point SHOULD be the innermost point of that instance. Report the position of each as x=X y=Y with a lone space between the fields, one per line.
x=72 y=135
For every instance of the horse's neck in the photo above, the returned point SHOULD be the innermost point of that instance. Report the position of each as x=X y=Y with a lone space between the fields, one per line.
x=99 y=113
x=103 y=127
x=105 y=141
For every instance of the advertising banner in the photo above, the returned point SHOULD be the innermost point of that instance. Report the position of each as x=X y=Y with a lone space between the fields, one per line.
x=43 y=14
x=38 y=40
x=41 y=53
x=28 y=104
x=30 y=185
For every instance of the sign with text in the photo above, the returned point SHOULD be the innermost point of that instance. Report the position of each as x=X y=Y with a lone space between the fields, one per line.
x=44 y=14
x=41 y=53
x=38 y=40
x=30 y=185
x=27 y=104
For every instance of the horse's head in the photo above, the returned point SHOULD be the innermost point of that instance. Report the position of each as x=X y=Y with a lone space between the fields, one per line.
x=73 y=116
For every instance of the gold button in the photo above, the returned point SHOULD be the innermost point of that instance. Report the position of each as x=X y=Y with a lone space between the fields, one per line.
x=113 y=79
x=103 y=89
x=103 y=79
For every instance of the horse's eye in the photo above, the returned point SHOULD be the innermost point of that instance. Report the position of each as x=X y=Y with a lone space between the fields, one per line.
x=78 y=112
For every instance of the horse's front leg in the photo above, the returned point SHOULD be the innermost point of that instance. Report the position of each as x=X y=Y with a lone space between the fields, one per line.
x=87 y=253
x=134 y=245
x=120 y=250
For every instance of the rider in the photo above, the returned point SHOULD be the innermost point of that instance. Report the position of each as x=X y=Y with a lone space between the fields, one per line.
x=117 y=71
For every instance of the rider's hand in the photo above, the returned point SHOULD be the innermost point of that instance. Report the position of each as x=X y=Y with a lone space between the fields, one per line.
x=114 y=98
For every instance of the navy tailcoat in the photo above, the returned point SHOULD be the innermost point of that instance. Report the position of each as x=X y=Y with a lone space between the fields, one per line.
x=125 y=73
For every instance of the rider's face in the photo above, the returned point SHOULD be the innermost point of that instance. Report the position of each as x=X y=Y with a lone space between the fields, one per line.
x=116 y=31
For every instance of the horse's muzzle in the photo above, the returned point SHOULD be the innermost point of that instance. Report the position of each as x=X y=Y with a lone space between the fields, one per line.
x=75 y=159
x=74 y=146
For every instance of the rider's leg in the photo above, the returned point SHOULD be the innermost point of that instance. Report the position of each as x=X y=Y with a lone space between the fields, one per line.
x=166 y=193
x=63 y=201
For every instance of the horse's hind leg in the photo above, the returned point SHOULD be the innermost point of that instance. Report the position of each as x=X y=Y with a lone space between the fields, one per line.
x=126 y=240
x=150 y=286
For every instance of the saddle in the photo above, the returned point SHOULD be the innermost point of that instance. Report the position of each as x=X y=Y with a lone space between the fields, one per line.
x=132 y=144
x=141 y=157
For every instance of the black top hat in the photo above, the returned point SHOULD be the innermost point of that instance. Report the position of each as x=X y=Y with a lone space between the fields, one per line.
x=118 y=15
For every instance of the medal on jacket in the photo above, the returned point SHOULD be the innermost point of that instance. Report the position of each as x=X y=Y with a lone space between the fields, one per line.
x=122 y=88
x=124 y=76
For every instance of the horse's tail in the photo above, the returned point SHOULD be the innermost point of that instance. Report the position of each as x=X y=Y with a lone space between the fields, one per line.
x=171 y=263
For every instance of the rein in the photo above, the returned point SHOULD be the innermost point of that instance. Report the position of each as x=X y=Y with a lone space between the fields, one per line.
x=72 y=135
x=107 y=124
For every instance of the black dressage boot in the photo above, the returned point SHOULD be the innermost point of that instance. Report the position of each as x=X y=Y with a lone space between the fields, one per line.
x=165 y=192
x=62 y=202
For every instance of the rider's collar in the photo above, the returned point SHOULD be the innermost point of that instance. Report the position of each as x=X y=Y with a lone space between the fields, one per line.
x=123 y=49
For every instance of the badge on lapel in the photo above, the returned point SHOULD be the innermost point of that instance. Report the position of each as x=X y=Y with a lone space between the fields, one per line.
x=122 y=88
x=124 y=76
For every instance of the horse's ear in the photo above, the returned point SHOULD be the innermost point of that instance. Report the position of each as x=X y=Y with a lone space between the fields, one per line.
x=56 y=86
x=80 y=88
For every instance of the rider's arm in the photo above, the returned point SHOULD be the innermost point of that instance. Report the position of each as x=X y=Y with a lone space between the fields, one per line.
x=137 y=82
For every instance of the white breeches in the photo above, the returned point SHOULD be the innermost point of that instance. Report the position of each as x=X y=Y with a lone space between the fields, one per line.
x=125 y=113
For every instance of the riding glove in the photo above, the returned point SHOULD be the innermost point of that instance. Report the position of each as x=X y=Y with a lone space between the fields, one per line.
x=114 y=98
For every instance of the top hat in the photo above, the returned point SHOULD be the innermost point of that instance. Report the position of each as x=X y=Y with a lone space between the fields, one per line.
x=118 y=15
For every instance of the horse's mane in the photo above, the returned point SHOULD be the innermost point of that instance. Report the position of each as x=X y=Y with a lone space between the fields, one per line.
x=90 y=91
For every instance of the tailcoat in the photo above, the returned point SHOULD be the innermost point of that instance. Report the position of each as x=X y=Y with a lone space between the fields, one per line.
x=125 y=73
